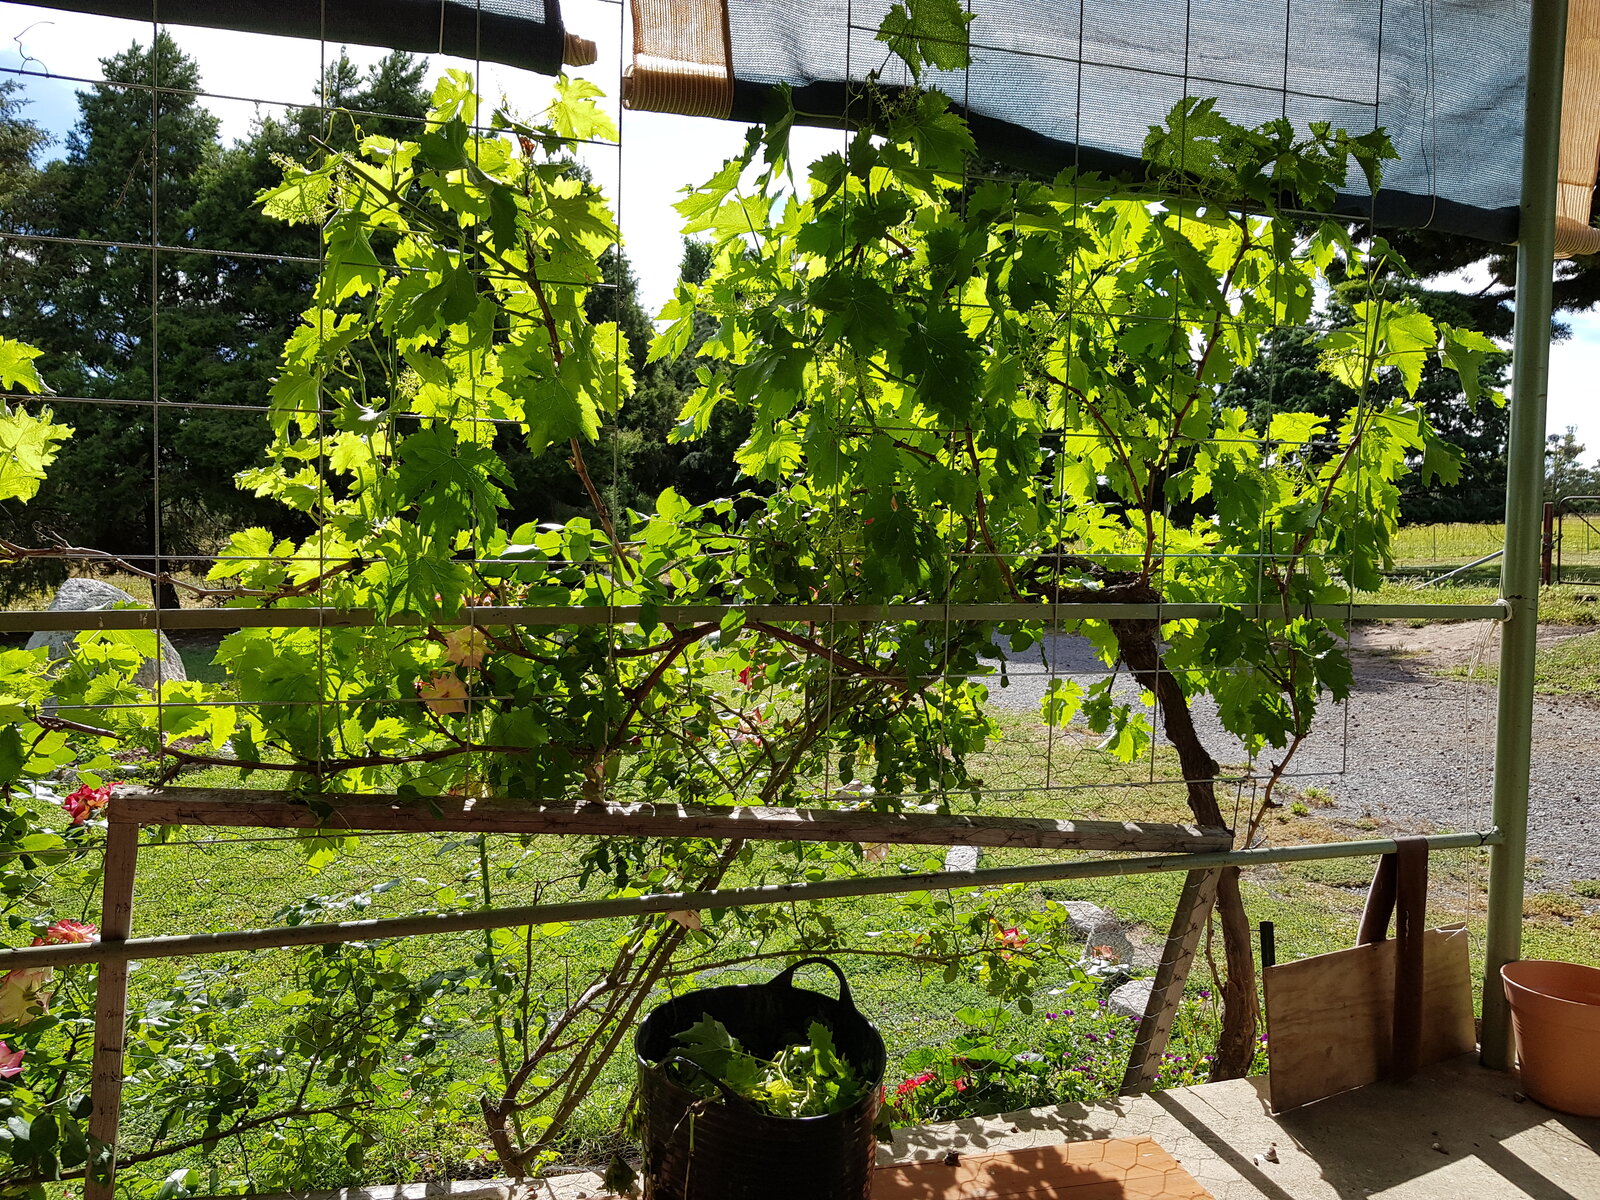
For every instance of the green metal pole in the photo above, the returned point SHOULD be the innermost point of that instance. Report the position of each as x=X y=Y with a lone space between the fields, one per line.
x=1519 y=571
x=317 y=934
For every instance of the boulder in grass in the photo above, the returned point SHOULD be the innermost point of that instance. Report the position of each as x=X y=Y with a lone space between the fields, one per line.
x=1131 y=999
x=961 y=858
x=1090 y=921
x=91 y=595
x=1102 y=933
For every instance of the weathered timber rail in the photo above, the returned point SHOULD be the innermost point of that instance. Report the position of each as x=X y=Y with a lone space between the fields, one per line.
x=239 y=807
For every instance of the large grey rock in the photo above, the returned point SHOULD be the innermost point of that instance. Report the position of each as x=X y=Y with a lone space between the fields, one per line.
x=89 y=595
x=961 y=858
x=1089 y=920
x=1132 y=998
x=1097 y=927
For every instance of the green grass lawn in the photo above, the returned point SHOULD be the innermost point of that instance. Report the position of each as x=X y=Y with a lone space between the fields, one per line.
x=199 y=881
x=1570 y=667
x=1449 y=542
x=1424 y=551
x=1560 y=605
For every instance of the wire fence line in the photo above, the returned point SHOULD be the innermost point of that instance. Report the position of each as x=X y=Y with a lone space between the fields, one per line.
x=1056 y=759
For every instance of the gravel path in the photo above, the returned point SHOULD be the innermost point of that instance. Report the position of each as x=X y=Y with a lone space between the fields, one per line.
x=1410 y=748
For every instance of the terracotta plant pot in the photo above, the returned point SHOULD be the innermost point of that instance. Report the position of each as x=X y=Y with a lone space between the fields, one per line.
x=1555 y=1008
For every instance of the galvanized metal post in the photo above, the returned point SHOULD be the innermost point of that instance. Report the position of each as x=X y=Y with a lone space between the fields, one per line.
x=1547 y=546
x=1519 y=570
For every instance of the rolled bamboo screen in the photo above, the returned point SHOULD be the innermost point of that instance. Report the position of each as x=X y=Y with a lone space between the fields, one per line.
x=1580 y=133
x=578 y=51
x=682 y=58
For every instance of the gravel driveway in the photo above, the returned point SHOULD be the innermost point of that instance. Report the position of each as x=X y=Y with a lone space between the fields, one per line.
x=1411 y=748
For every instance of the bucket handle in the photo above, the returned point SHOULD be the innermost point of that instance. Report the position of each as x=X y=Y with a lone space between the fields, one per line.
x=785 y=978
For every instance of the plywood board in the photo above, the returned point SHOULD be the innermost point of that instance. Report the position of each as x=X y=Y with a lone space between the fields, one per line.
x=1113 y=1169
x=1330 y=1018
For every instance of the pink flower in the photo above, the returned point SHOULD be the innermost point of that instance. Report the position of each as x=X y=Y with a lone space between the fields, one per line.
x=744 y=677
x=1009 y=939
x=86 y=801
x=23 y=996
x=466 y=647
x=65 y=932
x=961 y=1084
x=912 y=1084
x=748 y=732
x=444 y=693
x=10 y=1062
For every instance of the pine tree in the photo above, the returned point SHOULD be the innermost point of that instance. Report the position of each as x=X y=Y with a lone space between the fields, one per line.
x=109 y=315
x=1565 y=475
x=230 y=288
x=1286 y=379
x=20 y=191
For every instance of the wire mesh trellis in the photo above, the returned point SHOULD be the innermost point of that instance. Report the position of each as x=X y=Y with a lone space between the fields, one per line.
x=1043 y=770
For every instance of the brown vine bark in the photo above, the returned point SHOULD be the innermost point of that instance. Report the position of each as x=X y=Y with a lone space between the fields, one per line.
x=1139 y=643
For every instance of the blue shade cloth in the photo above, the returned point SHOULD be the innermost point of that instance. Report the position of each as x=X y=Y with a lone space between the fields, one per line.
x=1058 y=83
x=1062 y=83
x=519 y=33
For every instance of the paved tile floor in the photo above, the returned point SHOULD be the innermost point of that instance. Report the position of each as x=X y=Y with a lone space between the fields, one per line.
x=1455 y=1132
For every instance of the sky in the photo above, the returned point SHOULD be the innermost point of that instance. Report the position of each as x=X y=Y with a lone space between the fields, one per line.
x=660 y=154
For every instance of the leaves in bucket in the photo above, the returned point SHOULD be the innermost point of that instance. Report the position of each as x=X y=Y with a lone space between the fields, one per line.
x=805 y=1080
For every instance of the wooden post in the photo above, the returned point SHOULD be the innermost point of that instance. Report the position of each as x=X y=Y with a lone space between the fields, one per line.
x=111 y=1011
x=1195 y=903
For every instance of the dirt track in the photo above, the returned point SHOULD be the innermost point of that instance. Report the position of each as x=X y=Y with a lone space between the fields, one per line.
x=1414 y=749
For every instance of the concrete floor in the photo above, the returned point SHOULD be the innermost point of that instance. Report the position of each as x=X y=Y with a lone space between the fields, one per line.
x=1455 y=1132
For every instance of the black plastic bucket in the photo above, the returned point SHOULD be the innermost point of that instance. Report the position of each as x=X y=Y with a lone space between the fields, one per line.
x=699 y=1149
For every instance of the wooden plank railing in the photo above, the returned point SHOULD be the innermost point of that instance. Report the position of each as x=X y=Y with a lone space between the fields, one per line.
x=569 y=818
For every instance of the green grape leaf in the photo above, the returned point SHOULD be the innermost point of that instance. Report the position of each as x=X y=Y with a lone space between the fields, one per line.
x=574 y=113
x=1467 y=352
x=454 y=484
x=28 y=445
x=17 y=369
x=927 y=33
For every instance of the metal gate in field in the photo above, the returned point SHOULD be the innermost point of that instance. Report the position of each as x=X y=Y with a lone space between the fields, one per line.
x=1576 y=543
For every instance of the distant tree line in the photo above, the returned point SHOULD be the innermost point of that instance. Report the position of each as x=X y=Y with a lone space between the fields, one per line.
x=1566 y=475
x=77 y=279
x=1285 y=379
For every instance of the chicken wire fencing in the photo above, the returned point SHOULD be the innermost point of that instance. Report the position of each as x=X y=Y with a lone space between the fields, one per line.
x=424 y=563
